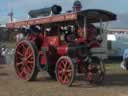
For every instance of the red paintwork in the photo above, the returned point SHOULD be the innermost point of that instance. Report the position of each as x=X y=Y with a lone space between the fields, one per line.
x=42 y=59
x=53 y=40
x=31 y=37
x=44 y=42
x=94 y=44
x=50 y=40
x=43 y=20
x=62 y=50
x=79 y=40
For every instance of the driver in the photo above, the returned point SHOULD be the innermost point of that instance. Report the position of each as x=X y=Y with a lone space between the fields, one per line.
x=70 y=36
x=93 y=36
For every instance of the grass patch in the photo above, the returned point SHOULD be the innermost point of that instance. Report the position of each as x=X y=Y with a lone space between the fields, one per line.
x=112 y=66
x=9 y=44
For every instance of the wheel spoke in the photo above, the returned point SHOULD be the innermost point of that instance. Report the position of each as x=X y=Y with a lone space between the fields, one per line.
x=23 y=47
x=30 y=55
x=29 y=61
x=22 y=73
x=68 y=66
x=60 y=72
x=19 y=53
x=22 y=68
x=65 y=64
x=25 y=70
x=60 y=67
x=69 y=74
x=27 y=51
x=28 y=68
x=68 y=70
x=19 y=63
x=66 y=79
x=63 y=77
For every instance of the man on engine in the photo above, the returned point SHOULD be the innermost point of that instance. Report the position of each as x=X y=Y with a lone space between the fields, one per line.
x=77 y=6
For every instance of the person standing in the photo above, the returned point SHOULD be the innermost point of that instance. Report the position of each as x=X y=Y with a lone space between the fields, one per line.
x=77 y=6
x=124 y=63
x=19 y=36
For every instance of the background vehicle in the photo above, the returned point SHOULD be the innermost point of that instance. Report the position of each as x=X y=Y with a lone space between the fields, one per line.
x=63 y=45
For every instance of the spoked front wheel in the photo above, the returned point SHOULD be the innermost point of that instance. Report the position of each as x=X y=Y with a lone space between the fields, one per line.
x=65 y=71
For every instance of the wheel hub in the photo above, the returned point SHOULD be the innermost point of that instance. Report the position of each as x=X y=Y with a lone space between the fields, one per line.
x=63 y=70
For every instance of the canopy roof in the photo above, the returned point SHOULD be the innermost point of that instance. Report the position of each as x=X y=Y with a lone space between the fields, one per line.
x=95 y=15
x=92 y=16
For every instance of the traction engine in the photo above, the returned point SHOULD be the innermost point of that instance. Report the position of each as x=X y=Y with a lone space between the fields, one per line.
x=64 y=45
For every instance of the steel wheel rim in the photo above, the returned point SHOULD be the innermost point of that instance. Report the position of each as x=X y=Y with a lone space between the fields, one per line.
x=24 y=60
x=64 y=72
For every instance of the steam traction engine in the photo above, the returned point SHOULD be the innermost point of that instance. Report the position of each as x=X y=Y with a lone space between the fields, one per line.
x=63 y=45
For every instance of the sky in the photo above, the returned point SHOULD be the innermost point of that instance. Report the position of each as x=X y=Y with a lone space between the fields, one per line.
x=21 y=7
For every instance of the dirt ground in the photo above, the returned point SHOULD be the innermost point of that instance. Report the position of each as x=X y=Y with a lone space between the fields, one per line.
x=115 y=84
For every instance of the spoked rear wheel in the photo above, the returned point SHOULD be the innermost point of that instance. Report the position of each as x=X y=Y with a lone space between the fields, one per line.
x=25 y=61
x=65 y=71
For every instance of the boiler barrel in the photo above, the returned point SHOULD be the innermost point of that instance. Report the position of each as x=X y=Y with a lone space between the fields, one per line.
x=55 y=9
x=40 y=12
